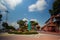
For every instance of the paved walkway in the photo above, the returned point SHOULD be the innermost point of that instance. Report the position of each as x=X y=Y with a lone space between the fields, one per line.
x=52 y=33
x=31 y=37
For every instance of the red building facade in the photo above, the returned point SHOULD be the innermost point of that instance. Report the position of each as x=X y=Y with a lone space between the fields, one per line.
x=53 y=24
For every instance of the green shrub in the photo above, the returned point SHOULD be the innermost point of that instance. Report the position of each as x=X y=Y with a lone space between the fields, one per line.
x=15 y=32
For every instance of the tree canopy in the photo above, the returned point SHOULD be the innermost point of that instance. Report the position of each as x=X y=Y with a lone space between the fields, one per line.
x=0 y=17
x=56 y=8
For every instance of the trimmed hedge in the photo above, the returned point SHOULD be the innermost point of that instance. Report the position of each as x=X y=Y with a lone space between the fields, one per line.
x=23 y=32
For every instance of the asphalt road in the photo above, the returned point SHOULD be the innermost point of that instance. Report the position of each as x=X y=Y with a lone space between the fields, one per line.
x=31 y=37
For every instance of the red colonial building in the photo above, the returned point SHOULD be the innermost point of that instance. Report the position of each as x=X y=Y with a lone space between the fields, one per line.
x=52 y=24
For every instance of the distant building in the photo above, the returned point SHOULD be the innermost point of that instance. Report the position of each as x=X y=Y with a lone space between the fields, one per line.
x=52 y=24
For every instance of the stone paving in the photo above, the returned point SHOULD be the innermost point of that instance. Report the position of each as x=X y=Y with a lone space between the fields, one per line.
x=31 y=37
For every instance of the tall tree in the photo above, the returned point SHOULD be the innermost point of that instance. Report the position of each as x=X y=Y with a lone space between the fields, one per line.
x=0 y=17
x=56 y=8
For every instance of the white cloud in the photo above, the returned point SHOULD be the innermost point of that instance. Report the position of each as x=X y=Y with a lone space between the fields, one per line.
x=25 y=19
x=32 y=7
x=11 y=3
x=38 y=6
x=8 y=3
x=15 y=25
x=34 y=20
x=2 y=7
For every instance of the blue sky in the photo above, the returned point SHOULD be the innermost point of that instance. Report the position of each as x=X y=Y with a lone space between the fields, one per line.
x=22 y=10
